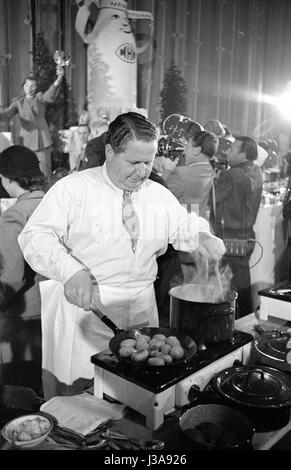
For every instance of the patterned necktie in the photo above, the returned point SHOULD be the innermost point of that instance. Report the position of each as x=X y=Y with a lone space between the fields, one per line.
x=129 y=219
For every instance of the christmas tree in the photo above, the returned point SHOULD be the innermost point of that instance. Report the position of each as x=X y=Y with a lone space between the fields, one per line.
x=174 y=92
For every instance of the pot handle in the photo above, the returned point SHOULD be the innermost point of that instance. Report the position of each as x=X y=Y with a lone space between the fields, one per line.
x=194 y=393
x=247 y=378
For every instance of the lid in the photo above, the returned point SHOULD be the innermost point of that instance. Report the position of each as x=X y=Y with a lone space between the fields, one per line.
x=261 y=386
x=273 y=346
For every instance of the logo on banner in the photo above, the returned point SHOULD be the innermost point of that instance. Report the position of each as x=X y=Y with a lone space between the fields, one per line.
x=127 y=53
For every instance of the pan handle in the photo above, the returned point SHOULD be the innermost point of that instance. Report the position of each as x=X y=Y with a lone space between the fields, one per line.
x=101 y=315
x=106 y=320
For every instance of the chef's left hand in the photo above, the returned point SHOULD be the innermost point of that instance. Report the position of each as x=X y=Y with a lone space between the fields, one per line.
x=210 y=249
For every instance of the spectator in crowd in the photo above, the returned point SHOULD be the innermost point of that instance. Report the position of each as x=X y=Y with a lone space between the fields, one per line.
x=20 y=301
x=95 y=151
x=84 y=118
x=34 y=131
x=238 y=192
x=191 y=184
x=95 y=148
x=77 y=157
x=99 y=249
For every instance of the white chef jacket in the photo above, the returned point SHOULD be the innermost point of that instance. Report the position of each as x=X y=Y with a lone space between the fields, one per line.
x=79 y=224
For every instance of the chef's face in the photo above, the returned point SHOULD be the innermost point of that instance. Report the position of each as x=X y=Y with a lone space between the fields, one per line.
x=29 y=88
x=130 y=168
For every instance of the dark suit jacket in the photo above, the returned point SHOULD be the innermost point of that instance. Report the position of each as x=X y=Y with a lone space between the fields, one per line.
x=238 y=196
x=33 y=126
x=21 y=293
x=95 y=152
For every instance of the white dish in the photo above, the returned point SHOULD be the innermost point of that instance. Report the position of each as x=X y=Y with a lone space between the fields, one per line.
x=18 y=430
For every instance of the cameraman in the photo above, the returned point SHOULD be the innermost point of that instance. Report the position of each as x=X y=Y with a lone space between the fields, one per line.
x=238 y=193
x=191 y=183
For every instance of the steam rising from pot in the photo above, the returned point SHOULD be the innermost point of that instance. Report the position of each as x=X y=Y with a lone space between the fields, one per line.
x=207 y=283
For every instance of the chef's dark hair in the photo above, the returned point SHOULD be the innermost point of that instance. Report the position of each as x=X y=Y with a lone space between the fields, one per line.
x=130 y=126
x=249 y=147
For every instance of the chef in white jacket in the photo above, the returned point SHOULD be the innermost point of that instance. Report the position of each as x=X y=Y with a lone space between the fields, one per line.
x=78 y=237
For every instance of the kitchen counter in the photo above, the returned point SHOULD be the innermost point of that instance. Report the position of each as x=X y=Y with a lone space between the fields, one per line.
x=272 y=267
x=264 y=441
x=132 y=424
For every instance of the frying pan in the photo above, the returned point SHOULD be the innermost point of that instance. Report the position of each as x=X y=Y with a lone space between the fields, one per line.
x=187 y=343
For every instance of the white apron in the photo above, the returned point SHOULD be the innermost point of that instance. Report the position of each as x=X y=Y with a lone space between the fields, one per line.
x=70 y=335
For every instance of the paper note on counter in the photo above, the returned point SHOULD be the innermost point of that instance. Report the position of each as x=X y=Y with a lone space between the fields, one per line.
x=82 y=413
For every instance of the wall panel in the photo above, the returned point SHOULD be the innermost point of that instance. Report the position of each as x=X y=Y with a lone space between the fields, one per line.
x=230 y=52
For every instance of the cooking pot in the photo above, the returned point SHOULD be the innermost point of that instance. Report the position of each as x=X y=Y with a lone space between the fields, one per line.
x=263 y=393
x=271 y=349
x=204 y=321
x=187 y=343
x=211 y=426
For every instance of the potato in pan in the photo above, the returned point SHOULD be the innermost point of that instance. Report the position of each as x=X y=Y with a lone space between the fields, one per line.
x=157 y=350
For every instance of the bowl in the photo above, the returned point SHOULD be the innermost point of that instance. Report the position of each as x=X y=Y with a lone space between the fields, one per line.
x=212 y=426
x=27 y=431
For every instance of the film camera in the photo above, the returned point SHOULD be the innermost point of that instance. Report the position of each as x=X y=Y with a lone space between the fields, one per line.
x=221 y=157
x=176 y=128
x=169 y=147
x=173 y=140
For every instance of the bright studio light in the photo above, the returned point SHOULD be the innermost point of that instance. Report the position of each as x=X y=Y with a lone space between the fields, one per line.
x=283 y=102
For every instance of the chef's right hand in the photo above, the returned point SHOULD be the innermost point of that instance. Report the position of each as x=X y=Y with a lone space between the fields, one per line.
x=78 y=290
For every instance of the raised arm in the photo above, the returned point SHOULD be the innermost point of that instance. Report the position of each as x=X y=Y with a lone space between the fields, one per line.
x=9 y=112
x=50 y=95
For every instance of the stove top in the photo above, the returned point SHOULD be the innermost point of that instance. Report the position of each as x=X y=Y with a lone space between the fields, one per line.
x=280 y=291
x=161 y=380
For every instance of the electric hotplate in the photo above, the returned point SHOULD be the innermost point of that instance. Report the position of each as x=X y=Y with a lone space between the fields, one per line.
x=158 y=380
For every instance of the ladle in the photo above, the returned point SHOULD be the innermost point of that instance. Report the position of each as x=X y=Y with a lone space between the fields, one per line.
x=217 y=273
